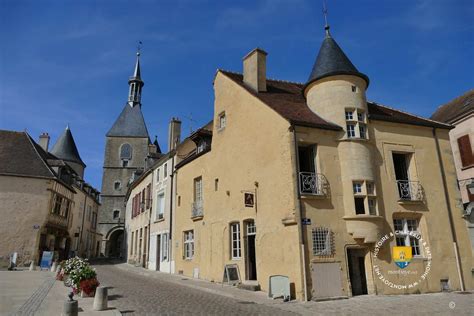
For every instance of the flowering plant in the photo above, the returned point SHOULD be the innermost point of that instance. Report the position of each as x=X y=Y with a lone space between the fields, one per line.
x=88 y=286
x=78 y=270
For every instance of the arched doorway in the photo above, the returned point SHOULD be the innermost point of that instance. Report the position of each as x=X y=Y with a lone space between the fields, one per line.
x=115 y=244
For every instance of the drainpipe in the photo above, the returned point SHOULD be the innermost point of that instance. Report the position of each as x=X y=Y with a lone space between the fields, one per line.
x=299 y=212
x=450 y=214
x=170 y=248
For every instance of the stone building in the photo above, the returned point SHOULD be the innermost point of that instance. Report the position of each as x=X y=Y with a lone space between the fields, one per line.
x=149 y=213
x=460 y=113
x=126 y=148
x=43 y=191
x=311 y=181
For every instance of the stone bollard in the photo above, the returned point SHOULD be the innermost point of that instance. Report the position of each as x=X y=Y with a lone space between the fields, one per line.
x=32 y=266
x=100 y=299
x=53 y=267
x=70 y=308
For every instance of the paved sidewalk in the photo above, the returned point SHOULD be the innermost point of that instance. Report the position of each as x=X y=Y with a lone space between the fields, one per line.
x=419 y=304
x=38 y=293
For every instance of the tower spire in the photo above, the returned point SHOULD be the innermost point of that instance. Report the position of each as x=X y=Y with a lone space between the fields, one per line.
x=325 y=13
x=135 y=82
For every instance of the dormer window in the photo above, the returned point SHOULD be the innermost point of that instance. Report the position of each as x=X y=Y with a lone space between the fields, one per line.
x=201 y=146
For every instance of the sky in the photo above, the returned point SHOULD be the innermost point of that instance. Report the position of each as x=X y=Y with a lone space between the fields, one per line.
x=68 y=62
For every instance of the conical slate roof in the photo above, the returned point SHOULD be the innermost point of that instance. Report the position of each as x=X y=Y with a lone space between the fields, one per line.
x=130 y=123
x=65 y=148
x=332 y=61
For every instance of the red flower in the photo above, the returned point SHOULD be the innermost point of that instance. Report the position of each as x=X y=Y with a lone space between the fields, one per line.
x=88 y=286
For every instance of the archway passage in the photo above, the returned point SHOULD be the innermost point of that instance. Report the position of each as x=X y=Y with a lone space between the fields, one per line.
x=116 y=244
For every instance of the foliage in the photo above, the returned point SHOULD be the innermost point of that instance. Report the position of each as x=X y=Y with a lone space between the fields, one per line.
x=78 y=270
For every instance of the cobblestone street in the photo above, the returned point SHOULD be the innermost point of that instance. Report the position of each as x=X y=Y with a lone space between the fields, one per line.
x=136 y=291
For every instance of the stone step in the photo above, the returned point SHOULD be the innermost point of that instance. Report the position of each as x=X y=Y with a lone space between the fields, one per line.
x=249 y=286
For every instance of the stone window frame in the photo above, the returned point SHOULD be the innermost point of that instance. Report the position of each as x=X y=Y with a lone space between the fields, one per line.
x=188 y=244
x=235 y=241
x=368 y=194
x=356 y=123
x=403 y=237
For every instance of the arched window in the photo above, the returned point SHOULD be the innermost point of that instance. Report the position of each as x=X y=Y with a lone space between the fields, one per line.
x=126 y=152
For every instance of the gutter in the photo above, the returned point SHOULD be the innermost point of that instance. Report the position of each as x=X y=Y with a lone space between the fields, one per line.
x=170 y=249
x=299 y=212
x=450 y=213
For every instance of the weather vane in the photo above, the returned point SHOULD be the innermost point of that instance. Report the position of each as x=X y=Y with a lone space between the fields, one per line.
x=325 y=13
x=139 y=47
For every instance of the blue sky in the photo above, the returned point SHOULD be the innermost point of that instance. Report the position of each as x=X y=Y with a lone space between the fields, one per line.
x=68 y=62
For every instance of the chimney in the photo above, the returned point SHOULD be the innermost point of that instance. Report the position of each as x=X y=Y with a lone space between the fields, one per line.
x=255 y=70
x=174 y=133
x=44 y=141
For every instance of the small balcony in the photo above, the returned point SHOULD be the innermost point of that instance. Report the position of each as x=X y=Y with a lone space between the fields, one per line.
x=314 y=184
x=410 y=191
x=197 y=211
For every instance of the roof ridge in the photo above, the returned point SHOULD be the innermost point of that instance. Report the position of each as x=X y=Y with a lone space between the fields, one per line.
x=271 y=79
x=468 y=92
x=31 y=141
x=410 y=114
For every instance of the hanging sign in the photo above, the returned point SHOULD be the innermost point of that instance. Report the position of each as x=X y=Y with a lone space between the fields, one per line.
x=249 y=199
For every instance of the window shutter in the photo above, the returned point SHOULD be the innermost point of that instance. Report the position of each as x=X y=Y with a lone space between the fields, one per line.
x=465 y=151
x=148 y=187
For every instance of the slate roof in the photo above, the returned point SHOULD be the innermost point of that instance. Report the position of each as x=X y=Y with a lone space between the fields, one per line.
x=20 y=155
x=66 y=149
x=130 y=123
x=287 y=99
x=332 y=61
x=455 y=109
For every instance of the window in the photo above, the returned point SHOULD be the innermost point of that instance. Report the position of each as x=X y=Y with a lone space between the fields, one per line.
x=117 y=185
x=235 y=240
x=351 y=131
x=372 y=206
x=94 y=220
x=116 y=214
x=158 y=171
x=131 y=243
x=164 y=247
x=362 y=131
x=349 y=115
x=148 y=196
x=355 y=128
x=370 y=188
x=354 y=89
x=322 y=241
x=364 y=197
x=357 y=187
x=67 y=207
x=222 y=120
x=124 y=163
x=359 y=205
x=198 y=189
x=201 y=146
x=189 y=244
x=89 y=213
x=160 y=206
x=126 y=152
x=216 y=184
x=57 y=204
x=165 y=171
x=465 y=151
x=406 y=233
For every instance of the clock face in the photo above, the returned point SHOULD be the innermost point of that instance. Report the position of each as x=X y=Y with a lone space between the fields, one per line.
x=249 y=201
